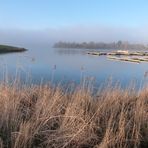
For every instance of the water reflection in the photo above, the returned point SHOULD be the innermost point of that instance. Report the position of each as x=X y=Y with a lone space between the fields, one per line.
x=69 y=51
x=67 y=66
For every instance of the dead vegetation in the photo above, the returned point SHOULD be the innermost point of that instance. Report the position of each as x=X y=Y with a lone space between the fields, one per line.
x=46 y=116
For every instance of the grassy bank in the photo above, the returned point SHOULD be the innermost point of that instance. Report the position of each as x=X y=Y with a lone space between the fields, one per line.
x=45 y=116
x=7 y=49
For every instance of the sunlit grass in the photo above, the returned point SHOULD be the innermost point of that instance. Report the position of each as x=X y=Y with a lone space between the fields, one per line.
x=46 y=116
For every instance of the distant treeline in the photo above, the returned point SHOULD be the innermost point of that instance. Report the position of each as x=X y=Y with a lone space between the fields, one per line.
x=100 y=45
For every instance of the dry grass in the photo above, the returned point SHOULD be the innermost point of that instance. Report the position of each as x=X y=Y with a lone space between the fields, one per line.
x=43 y=116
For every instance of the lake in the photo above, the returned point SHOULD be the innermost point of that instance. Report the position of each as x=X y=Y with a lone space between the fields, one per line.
x=41 y=65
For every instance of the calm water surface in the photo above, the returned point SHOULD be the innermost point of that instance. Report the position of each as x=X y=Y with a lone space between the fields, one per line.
x=48 y=64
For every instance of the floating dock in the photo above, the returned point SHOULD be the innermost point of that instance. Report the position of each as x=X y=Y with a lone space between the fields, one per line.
x=122 y=55
x=123 y=59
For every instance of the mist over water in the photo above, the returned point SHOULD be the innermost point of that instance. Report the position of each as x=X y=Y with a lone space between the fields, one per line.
x=78 y=33
x=45 y=64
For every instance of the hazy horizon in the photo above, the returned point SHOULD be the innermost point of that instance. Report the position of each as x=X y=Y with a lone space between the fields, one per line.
x=36 y=22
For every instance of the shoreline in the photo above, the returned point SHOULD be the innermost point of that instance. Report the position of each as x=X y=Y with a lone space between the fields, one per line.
x=11 y=49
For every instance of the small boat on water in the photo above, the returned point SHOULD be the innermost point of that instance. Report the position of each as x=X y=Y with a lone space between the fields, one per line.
x=123 y=52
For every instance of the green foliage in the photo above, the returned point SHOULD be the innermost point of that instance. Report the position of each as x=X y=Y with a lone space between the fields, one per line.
x=5 y=49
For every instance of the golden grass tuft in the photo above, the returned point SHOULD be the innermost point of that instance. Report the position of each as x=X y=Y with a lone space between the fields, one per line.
x=45 y=116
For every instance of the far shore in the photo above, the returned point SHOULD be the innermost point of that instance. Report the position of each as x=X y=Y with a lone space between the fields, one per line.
x=120 y=45
x=9 y=49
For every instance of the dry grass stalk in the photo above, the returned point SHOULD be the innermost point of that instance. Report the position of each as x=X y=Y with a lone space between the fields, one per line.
x=42 y=116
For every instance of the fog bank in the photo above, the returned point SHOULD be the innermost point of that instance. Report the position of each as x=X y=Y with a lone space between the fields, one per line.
x=80 y=33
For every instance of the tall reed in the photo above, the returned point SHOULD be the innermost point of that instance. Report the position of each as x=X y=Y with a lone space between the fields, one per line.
x=46 y=116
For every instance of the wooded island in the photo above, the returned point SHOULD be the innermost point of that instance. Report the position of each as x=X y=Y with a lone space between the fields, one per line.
x=101 y=45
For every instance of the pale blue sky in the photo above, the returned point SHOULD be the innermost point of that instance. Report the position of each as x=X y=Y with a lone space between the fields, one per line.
x=118 y=18
x=40 y=14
